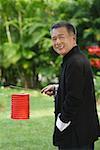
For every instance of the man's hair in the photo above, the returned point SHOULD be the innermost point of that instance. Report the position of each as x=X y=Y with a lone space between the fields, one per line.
x=70 y=28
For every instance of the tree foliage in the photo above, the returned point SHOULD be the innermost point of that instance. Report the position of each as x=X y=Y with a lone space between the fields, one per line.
x=26 y=55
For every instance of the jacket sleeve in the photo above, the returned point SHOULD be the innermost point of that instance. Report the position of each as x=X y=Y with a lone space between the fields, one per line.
x=74 y=85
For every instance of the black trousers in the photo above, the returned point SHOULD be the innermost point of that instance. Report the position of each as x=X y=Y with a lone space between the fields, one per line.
x=86 y=147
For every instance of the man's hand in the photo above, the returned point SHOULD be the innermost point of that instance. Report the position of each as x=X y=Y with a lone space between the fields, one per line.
x=49 y=90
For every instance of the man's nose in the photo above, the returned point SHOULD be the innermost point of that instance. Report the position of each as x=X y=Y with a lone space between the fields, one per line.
x=58 y=41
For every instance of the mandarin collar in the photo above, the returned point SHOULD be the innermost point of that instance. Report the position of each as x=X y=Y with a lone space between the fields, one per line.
x=73 y=50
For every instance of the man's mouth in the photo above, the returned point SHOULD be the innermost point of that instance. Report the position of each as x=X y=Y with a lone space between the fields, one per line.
x=60 y=47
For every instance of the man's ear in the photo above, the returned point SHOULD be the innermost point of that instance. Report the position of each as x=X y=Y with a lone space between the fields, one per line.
x=74 y=37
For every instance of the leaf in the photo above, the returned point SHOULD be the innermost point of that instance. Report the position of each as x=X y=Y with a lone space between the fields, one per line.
x=35 y=38
x=87 y=32
x=28 y=54
x=10 y=54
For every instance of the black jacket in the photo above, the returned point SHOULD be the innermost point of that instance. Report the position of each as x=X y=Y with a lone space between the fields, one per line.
x=76 y=102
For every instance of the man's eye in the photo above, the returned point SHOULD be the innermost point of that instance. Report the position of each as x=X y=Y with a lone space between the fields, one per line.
x=54 y=39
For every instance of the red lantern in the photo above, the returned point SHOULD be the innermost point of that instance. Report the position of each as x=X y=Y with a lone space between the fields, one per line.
x=20 y=106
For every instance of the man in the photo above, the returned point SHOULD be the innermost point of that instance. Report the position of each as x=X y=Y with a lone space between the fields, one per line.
x=76 y=120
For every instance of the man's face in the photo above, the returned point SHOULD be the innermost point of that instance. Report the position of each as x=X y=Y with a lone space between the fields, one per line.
x=62 y=41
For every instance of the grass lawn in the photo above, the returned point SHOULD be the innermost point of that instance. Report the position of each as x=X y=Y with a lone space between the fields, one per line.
x=34 y=133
